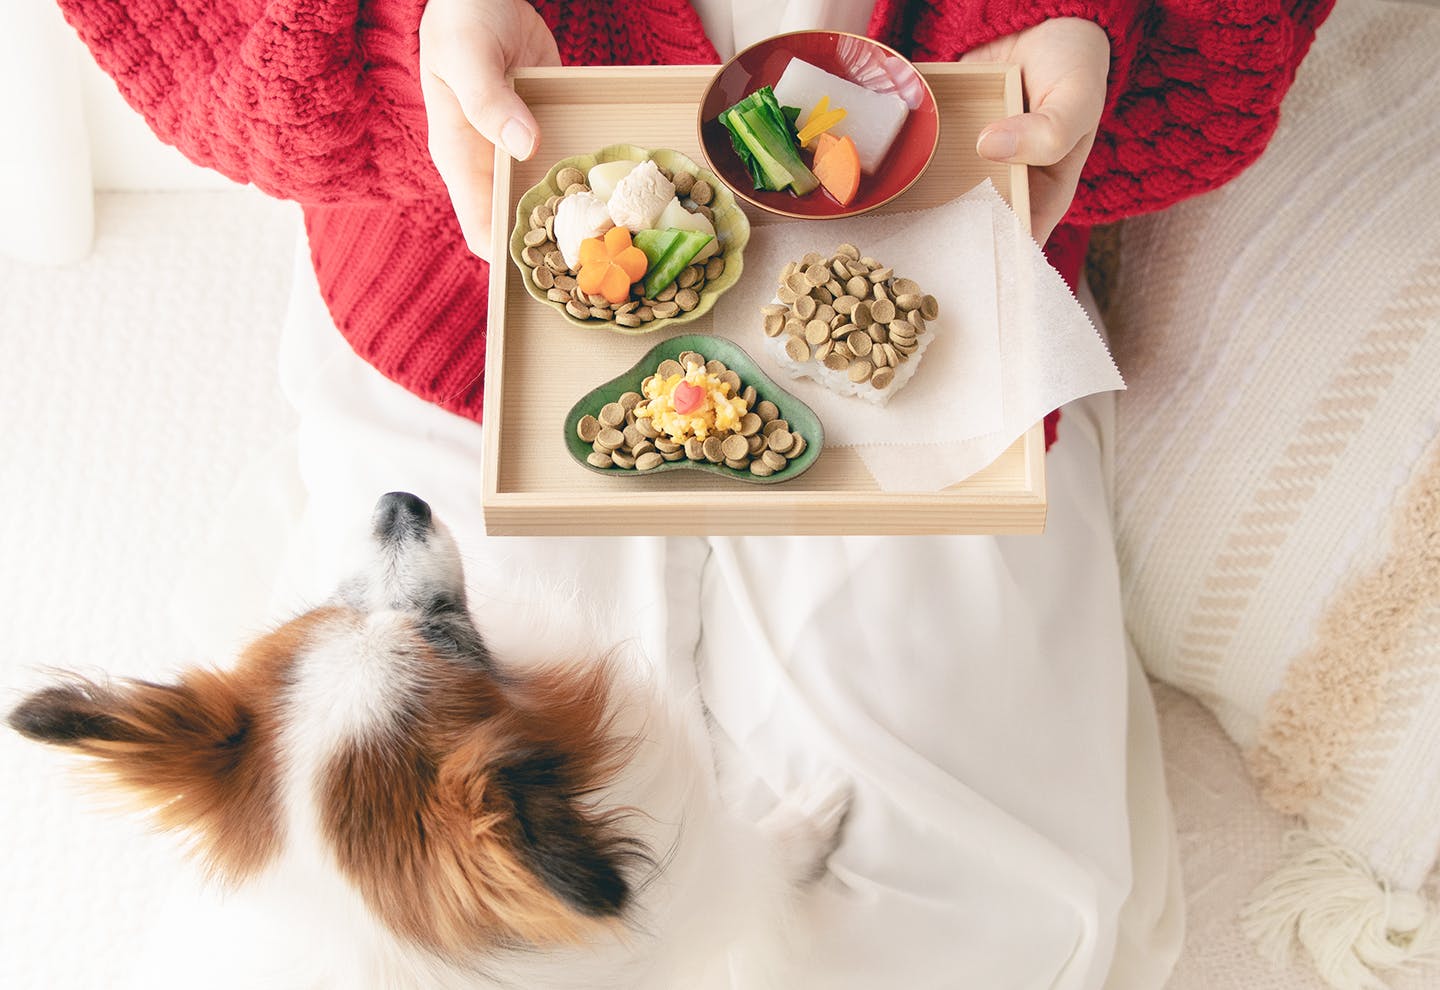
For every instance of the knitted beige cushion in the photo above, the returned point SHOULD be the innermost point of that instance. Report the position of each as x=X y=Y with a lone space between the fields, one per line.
x=1229 y=841
x=1278 y=478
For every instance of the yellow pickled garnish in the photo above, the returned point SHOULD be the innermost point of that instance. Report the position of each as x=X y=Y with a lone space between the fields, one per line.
x=719 y=412
x=821 y=119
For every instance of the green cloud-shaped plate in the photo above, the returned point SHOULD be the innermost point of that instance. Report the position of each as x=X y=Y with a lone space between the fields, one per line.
x=801 y=417
x=732 y=228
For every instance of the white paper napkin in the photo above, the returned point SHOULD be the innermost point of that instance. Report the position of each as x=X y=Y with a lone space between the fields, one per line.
x=1010 y=345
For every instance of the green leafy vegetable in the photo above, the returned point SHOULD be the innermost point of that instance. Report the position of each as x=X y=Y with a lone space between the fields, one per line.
x=764 y=138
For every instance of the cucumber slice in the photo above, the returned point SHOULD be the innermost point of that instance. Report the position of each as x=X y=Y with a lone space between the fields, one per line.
x=687 y=244
x=655 y=243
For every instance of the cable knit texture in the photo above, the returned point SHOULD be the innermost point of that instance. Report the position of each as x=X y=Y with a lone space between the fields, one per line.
x=319 y=101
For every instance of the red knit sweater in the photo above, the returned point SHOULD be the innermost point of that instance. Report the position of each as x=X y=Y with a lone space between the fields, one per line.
x=319 y=101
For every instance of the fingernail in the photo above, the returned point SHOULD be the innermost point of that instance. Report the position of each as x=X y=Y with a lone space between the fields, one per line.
x=998 y=145
x=517 y=139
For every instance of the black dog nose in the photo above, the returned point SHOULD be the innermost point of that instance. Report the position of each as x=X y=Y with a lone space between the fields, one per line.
x=400 y=512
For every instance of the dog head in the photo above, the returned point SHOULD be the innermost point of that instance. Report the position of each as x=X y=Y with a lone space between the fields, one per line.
x=457 y=800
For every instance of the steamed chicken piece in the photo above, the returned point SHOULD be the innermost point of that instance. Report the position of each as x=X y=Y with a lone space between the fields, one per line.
x=579 y=216
x=679 y=218
x=640 y=197
x=603 y=178
x=872 y=120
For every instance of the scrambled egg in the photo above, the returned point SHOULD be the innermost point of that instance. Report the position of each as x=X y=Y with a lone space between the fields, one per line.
x=718 y=413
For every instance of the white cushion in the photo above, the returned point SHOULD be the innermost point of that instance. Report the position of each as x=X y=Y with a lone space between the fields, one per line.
x=1281 y=338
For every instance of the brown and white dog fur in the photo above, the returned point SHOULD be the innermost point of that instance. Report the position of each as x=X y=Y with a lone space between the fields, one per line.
x=384 y=803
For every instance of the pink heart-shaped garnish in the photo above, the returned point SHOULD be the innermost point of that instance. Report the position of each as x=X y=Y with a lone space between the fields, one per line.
x=688 y=398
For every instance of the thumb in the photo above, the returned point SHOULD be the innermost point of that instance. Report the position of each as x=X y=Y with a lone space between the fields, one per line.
x=475 y=74
x=1043 y=136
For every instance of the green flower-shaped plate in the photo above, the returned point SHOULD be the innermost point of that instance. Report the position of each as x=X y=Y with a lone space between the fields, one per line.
x=801 y=417
x=732 y=228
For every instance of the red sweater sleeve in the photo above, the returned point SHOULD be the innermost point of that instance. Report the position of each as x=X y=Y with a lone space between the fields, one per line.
x=312 y=100
x=1194 y=89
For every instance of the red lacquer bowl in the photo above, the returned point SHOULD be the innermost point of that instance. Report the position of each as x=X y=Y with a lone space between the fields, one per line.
x=849 y=56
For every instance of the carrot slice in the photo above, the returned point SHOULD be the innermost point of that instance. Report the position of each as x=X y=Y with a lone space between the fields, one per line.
x=591 y=277
x=592 y=251
x=838 y=169
x=615 y=286
x=617 y=239
x=824 y=143
x=608 y=267
x=633 y=261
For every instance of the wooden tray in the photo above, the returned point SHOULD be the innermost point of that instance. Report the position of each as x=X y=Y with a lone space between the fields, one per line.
x=537 y=365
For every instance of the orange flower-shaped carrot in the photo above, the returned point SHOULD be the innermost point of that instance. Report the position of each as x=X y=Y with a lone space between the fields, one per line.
x=609 y=267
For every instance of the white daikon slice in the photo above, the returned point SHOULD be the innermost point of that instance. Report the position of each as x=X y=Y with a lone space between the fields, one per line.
x=607 y=175
x=873 y=120
x=680 y=218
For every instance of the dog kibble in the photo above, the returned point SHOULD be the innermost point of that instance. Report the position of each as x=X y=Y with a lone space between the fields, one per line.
x=779 y=441
x=588 y=428
x=623 y=436
x=549 y=271
x=871 y=320
x=734 y=447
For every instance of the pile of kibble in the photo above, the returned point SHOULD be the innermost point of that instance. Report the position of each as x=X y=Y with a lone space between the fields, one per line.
x=850 y=313
x=763 y=445
x=557 y=279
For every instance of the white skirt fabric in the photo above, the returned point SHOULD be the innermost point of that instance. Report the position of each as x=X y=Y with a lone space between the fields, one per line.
x=1010 y=826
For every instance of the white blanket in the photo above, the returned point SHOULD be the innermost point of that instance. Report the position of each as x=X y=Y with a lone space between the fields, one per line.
x=977 y=689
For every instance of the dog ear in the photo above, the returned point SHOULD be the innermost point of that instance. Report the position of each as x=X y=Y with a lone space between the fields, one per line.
x=188 y=753
x=488 y=844
x=578 y=855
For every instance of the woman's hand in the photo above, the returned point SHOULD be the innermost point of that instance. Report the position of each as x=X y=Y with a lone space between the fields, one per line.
x=1064 y=63
x=466 y=48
